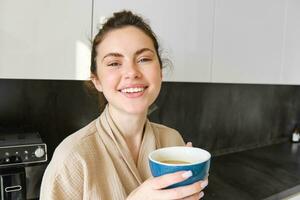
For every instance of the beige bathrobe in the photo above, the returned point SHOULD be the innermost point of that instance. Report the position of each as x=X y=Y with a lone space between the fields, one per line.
x=95 y=163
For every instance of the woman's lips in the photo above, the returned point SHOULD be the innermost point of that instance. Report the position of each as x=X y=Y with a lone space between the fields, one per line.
x=133 y=92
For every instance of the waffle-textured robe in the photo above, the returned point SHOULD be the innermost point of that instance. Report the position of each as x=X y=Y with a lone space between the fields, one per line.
x=95 y=163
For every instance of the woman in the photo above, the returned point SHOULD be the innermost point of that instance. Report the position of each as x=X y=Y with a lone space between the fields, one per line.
x=108 y=159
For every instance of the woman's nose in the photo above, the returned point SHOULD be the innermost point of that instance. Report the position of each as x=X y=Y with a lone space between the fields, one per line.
x=132 y=71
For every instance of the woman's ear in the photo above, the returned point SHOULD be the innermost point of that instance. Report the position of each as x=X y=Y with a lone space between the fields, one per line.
x=97 y=83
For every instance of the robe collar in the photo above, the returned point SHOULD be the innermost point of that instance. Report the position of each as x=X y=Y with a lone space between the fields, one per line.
x=149 y=143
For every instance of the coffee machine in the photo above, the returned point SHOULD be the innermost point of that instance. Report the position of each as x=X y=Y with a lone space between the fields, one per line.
x=23 y=158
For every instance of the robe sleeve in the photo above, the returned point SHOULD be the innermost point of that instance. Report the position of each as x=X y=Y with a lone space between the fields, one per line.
x=63 y=179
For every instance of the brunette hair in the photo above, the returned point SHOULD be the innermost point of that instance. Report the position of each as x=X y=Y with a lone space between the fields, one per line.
x=117 y=21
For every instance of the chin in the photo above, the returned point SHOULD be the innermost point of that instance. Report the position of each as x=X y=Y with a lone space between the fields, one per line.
x=138 y=107
x=136 y=111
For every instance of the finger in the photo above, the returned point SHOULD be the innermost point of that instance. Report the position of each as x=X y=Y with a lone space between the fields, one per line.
x=170 y=179
x=201 y=195
x=204 y=183
x=182 y=192
x=196 y=196
x=189 y=144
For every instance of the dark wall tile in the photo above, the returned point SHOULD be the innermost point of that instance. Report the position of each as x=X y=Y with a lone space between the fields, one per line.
x=229 y=117
x=53 y=108
x=219 y=117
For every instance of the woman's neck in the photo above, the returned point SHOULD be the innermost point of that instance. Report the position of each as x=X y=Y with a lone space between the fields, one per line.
x=130 y=125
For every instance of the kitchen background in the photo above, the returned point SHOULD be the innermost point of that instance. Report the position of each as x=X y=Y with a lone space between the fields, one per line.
x=233 y=84
x=221 y=118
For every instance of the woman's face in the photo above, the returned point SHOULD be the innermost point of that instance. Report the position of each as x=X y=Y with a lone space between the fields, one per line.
x=128 y=70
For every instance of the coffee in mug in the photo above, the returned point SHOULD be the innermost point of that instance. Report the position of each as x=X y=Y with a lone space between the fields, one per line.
x=174 y=162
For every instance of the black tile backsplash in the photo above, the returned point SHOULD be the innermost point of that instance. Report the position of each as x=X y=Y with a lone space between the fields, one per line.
x=54 y=108
x=229 y=117
x=219 y=117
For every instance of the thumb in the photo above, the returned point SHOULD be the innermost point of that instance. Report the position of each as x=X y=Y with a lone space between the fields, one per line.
x=189 y=144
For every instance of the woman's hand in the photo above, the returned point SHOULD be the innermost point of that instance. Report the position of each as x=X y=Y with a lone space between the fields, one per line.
x=189 y=144
x=152 y=189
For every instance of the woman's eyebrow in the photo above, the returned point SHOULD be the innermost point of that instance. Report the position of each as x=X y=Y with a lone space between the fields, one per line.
x=113 y=55
x=143 y=50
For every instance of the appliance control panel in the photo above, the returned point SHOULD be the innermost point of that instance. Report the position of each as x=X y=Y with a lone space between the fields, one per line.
x=23 y=154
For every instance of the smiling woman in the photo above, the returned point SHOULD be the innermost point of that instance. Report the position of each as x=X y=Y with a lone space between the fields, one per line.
x=128 y=71
x=108 y=159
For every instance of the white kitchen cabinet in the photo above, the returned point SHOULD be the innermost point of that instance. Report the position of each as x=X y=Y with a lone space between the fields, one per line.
x=291 y=58
x=248 y=41
x=184 y=30
x=41 y=39
x=232 y=41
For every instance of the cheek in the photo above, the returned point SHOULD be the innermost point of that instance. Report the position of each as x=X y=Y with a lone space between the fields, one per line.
x=109 y=80
x=155 y=75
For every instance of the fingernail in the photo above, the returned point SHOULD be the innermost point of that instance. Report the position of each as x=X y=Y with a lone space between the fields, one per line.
x=187 y=174
x=201 y=195
x=204 y=184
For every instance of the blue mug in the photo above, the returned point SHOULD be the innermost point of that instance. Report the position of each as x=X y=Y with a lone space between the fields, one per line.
x=180 y=158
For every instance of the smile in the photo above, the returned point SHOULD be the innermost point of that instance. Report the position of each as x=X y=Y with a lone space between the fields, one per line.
x=133 y=90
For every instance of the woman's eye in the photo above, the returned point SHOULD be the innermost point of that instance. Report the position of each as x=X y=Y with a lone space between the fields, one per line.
x=142 y=60
x=113 y=64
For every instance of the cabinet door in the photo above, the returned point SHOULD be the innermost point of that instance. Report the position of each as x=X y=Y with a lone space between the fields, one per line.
x=248 y=41
x=184 y=30
x=41 y=39
x=291 y=66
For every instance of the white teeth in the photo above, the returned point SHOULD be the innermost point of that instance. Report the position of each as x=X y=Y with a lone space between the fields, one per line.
x=132 y=90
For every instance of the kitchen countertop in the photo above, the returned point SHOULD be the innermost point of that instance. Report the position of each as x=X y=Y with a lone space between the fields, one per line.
x=270 y=172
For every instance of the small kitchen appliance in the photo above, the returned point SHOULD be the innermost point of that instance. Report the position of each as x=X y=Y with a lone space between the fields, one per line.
x=23 y=158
